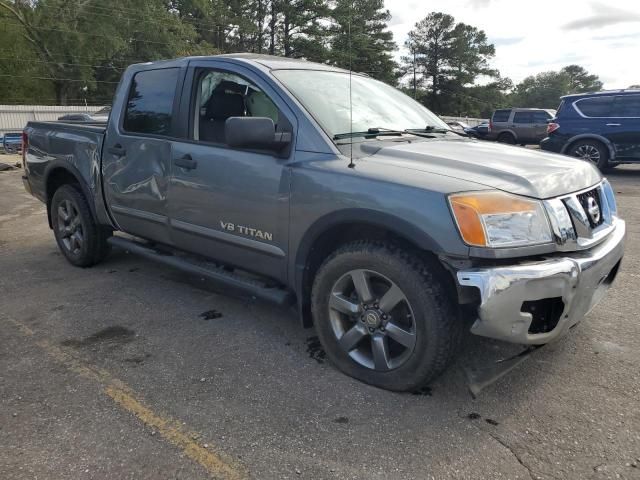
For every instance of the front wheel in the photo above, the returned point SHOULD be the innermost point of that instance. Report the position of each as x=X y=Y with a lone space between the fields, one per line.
x=383 y=317
x=80 y=239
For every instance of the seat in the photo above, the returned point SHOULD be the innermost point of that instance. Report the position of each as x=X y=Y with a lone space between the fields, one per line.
x=219 y=107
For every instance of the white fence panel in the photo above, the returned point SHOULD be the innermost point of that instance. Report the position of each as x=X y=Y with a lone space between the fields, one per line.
x=13 y=118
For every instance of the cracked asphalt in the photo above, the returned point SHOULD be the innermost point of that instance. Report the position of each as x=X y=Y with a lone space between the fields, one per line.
x=133 y=370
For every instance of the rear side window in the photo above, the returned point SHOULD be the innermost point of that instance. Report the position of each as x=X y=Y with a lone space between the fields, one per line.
x=150 y=103
x=626 y=106
x=595 y=107
x=522 y=117
x=501 y=115
x=540 y=117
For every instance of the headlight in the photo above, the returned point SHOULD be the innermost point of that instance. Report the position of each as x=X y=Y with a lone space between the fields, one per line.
x=610 y=197
x=496 y=219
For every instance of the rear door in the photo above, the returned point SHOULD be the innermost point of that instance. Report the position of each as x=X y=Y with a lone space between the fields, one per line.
x=523 y=126
x=624 y=126
x=540 y=119
x=137 y=153
x=226 y=203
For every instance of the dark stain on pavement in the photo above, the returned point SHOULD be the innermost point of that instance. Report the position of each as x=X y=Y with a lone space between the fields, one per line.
x=491 y=421
x=426 y=391
x=474 y=416
x=114 y=335
x=210 y=315
x=138 y=359
x=341 y=420
x=314 y=349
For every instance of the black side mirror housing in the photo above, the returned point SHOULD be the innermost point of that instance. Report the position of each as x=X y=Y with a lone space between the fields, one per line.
x=254 y=132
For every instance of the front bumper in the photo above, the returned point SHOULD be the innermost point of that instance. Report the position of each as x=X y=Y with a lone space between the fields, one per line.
x=580 y=280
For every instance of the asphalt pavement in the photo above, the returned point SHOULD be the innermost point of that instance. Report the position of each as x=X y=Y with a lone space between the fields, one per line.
x=133 y=370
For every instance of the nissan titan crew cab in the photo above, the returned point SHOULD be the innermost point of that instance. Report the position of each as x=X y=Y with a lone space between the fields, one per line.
x=375 y=219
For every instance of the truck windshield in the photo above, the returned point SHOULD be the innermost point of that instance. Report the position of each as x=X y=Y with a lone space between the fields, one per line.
x=325 y=94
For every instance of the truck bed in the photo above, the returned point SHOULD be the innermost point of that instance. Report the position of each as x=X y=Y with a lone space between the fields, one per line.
x=56 y=143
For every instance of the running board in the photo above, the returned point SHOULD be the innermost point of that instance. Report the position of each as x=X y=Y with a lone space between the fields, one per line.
x=215 y=273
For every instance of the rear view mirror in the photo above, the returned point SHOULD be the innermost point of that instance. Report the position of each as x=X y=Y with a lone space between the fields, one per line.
x=254 y=132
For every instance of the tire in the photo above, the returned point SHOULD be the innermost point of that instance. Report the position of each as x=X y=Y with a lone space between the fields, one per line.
x=80 y=239
x=431 y=330
x=507 y=138
x=592 y=151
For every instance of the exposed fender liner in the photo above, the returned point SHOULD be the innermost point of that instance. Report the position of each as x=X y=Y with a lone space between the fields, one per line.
x=63 y=165
x=347 y=217
x=591 y=136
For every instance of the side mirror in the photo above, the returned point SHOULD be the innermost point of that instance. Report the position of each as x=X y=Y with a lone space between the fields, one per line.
x=254 y=132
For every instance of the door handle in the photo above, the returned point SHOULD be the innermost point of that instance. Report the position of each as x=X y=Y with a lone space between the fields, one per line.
x=186 y=162
x=613 y=124
x=117 y=150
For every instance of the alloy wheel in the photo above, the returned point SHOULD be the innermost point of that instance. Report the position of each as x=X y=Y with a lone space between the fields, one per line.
x=70 y=227
x=588 y=152
x=372 y=320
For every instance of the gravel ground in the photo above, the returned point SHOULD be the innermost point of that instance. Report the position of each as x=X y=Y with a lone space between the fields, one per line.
x=133 y=370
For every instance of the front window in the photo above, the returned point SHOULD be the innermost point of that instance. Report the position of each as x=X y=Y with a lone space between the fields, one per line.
x=375 y=105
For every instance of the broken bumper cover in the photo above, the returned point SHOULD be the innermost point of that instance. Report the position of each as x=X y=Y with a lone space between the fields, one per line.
x=581 y=280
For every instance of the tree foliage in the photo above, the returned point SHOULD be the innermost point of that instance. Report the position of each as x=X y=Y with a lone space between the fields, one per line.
x=545 y=89
x=72 y=51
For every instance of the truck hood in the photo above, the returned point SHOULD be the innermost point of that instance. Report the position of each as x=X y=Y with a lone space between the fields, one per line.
x=517 y=170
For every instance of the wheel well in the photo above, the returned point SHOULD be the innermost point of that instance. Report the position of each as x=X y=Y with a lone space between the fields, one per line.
x=55 y=179
x=587 y=139
x=507 y=133
x=336 y=236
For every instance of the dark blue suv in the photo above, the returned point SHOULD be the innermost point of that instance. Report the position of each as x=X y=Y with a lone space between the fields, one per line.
x=602 y=127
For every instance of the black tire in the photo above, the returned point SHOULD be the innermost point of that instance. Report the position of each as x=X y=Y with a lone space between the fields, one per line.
x=433 y=317
x=507 y=138
x=592 y=151
x=80 y=239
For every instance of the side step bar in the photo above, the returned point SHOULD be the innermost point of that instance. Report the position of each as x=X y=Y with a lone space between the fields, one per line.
x=248 y=285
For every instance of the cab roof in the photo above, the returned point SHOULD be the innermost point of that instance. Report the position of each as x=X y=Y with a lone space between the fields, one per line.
x=270 y=62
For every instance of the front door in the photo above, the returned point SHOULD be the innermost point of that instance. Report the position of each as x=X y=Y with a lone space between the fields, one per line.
x=230 y=204
x=137 y=155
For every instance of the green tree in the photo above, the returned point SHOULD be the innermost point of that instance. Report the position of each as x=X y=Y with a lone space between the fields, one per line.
x=581 y=81
x=83 y=46
x=446 y=58
x=360 y=39
x=545 y=89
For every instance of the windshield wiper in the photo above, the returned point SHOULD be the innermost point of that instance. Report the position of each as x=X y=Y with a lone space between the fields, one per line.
x=431 y=129
x=371 y=132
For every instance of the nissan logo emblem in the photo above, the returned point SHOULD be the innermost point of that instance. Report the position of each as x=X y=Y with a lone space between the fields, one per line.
x=593 y=210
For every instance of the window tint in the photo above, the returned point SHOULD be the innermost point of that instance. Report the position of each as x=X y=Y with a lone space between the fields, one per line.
x=501 y=115
x=221 y=95
x=150 y=103
x=596 y=106
x=626 y=106
x=540 y=117
x=522 y=117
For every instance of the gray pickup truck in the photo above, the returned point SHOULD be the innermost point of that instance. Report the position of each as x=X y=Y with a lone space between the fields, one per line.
x=390 y=233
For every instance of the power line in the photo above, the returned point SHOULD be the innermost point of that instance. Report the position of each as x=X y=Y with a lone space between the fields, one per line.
x=132 y=39
x=56 y=79
x=21 y=60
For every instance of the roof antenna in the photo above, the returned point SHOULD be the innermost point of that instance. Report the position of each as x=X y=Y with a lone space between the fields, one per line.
x=351 y=164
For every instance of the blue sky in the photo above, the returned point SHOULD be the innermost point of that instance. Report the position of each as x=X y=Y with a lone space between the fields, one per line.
x=532 y=36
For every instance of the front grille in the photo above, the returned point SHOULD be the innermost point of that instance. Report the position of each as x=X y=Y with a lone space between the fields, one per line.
x=595 y=220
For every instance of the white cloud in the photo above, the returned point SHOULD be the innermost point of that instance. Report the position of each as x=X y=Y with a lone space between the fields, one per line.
x=536 y=36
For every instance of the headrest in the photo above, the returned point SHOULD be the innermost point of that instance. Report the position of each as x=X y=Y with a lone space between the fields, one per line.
x=224 y=105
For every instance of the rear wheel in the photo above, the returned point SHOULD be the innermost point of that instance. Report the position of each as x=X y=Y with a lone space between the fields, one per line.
x=382 y=317
x=507 y=138
x=592 y=151
x=80 y=239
